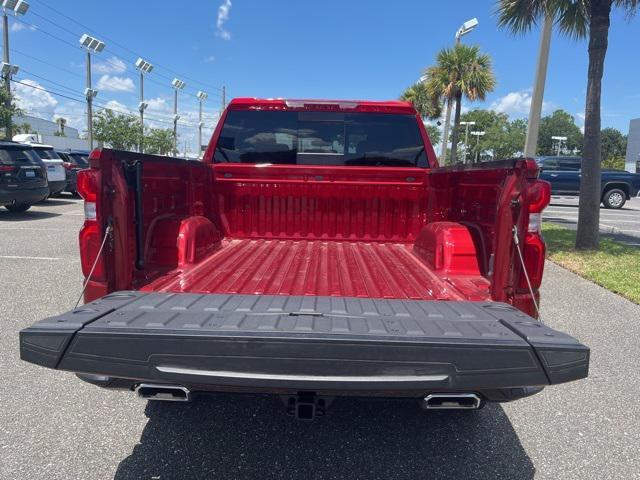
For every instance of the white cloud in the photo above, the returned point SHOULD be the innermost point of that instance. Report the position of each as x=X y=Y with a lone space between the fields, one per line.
x=517 y=103
x=34 y=101
x=209 y=59
x=223 y=16
x=111 y=65
x=114 y=83
x=18 y=27
x=116 y=106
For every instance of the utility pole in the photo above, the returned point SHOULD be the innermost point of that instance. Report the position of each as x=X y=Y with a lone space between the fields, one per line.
x=175 y=121
x=6 y=74
x=177 y=84
x=141 y=107
x=18 y=7
x=224 y=97
x=89 y=94
x=533 y=127
x=202 y=96
x=144 y=67
x=90 y=44
x=466 y=28
x=466 y=138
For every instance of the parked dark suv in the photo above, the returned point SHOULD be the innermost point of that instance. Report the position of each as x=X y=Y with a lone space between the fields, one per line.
x=23 y=177
x=617 y=186
x=74 y=160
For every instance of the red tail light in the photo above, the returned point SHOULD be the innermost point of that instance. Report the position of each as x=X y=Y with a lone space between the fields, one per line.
x=67 y=165
x=533 y=248
x=88 y=185
x=6 y=168
x=90 y=241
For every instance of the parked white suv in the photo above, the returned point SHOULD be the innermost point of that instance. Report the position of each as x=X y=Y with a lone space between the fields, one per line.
x=56 y=173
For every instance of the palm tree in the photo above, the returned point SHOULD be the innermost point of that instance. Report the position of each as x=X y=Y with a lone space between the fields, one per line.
x=428 y=106
x=578 y=19
x=460 y=71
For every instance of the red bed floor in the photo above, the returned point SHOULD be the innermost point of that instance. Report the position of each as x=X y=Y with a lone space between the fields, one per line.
x=325 y=268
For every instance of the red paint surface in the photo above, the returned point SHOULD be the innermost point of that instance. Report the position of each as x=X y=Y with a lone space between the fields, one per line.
x=327 y=268
x=378 y=232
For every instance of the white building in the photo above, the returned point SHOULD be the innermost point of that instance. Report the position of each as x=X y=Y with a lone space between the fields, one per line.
x=47 y=130
x=633 y=146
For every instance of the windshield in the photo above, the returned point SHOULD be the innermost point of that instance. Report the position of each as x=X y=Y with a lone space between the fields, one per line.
x=9 y=156
x=321 y=138
x=47 y=153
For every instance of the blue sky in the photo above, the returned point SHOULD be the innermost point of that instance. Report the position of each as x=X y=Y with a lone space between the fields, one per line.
x=358 y=49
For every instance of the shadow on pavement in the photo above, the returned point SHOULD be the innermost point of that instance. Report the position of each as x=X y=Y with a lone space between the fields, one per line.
x=7 y=216
x=252 y=437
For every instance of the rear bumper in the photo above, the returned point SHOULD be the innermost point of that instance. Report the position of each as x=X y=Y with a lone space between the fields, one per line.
x=22 y=195
x=333 y=346
x=57 y=186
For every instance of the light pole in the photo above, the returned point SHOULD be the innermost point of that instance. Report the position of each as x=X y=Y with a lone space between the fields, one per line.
x=466 y=137
x=535 y=111
x=466 y=28
x=19 y=7
x=144 y=67
x=90 y=44
x=202 y=96
x=478 y=135
x=177 y=84
x=560 y=140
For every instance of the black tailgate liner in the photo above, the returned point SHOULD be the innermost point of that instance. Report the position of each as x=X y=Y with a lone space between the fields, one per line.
x=305 y=342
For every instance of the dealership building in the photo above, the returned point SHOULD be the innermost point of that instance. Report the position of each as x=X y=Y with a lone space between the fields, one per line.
x=632 y=162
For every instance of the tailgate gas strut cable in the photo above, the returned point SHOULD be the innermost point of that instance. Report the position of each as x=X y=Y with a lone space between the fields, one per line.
x=516 y=240
x=107 y=232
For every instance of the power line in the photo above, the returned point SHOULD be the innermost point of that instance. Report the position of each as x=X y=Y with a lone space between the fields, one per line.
x=111 y=40
x=101 y=106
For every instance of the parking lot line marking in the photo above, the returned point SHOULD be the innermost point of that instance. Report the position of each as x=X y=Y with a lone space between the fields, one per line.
x=23 y=257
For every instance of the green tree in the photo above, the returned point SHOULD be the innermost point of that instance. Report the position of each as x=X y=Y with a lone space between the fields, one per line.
x=460 y=71
x=578 y=19
x=427 y=105
x=614 y=149
x=6 y=114
x=158 y=141
x=22 y=128
x=119 y=131
x=561 y=124
x=503 y=138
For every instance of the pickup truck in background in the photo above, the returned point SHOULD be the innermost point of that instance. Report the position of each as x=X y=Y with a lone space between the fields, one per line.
x=563 y=173
x=318 y=250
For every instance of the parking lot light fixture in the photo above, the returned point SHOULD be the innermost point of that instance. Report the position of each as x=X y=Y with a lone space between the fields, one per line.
x=91 y=45
x=466 y=28
x=144 y=67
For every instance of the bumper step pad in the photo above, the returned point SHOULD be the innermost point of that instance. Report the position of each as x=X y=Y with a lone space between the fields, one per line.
x=276 y=343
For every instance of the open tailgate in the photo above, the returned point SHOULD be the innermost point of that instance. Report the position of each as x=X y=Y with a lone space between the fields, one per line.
x=305 y=342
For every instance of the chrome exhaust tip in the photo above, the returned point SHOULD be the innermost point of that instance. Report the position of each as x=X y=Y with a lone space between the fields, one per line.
x=451 y=401
x=165 y=393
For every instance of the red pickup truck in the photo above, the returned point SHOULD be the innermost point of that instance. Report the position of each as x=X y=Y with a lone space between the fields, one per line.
x=318 y=250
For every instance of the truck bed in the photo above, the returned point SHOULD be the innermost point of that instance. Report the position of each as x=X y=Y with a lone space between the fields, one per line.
x=320 y=268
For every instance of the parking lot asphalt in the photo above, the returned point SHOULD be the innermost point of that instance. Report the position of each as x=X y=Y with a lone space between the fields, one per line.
x=622 y=224
x=56 y=427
